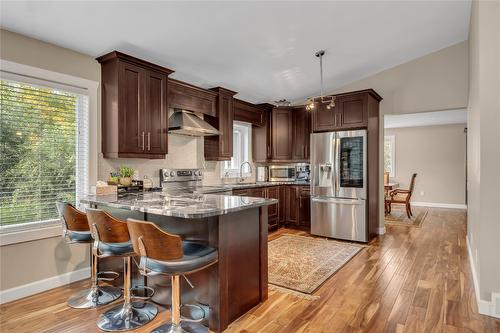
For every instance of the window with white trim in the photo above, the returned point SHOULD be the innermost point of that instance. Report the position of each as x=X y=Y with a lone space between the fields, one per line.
x=44 y=150
x=389 y=155
x=241 y=150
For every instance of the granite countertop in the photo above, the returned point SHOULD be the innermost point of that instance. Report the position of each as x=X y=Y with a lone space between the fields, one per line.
x=184 y=206
x=229 y=187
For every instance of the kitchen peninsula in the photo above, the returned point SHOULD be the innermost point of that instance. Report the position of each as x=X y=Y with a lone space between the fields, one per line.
x=237 y=226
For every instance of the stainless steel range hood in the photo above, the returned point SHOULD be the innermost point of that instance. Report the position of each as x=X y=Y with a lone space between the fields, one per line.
x=188 y=123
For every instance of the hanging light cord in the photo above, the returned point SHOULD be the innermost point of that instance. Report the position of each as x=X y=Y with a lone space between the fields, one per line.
x=321 y=74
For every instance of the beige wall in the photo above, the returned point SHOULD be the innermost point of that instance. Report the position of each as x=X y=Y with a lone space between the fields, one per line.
x=437 y=81
x=437 y=155
x=484 y=146
x=31 y=261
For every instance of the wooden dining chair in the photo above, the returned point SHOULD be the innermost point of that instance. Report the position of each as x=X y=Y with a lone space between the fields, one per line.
x=401 y=196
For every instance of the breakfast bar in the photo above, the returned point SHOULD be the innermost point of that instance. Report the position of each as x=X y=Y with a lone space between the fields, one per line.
x=236 y=226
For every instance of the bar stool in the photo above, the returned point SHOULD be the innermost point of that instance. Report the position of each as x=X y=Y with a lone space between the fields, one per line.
x=111 y=239
x=76 y=230
x=166 y=254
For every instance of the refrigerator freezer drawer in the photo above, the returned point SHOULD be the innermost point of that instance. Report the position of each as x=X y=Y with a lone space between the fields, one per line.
x=339 y=218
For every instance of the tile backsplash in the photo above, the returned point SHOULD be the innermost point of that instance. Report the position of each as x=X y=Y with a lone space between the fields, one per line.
x=183 y=152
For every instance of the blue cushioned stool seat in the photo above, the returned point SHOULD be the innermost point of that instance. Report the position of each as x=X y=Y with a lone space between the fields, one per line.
x=116 y=249
x=195 y=256
x=79 y=236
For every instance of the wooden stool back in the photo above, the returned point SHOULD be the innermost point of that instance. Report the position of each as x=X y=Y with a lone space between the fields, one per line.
x=110 y=229
x=151 y=241
x=74 y=219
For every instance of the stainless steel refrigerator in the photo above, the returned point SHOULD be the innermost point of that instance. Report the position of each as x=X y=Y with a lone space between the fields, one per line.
x=339 y=185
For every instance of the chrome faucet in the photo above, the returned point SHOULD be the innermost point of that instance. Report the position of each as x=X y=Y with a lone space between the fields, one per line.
x=241 y=170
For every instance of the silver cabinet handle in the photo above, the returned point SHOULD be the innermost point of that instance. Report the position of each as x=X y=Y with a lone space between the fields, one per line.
x=142 y=140
x=149 y=141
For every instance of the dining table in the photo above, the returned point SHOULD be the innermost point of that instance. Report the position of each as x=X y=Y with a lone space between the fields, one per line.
x=391 y=186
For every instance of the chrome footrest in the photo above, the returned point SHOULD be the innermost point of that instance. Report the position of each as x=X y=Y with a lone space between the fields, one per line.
x=196 y=307
x=148 y=291
x=107 y=276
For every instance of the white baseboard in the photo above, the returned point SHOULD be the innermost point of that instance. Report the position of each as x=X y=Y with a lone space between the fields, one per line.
x=439 y=205
x=483 y=307
x=43 y=285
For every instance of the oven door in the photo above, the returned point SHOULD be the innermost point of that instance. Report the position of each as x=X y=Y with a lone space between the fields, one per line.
x=281 y=173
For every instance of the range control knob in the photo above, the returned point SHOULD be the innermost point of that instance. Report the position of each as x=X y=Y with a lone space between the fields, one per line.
x=172 y=173
x=165 y=174
x=200 y=173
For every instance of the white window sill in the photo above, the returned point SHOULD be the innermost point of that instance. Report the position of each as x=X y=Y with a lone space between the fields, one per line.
x=27 y=232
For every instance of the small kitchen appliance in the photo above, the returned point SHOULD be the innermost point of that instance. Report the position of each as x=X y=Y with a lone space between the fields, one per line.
x=302 y=172
x=282 y=173
x=262 y=174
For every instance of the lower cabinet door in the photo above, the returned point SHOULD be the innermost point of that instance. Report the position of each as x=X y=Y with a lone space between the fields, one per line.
x=304 y=219
x=291 y=204
x=282 y=204
x=273 y=210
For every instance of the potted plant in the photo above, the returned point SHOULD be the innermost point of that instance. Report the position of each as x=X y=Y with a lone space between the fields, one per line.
x=125 y=175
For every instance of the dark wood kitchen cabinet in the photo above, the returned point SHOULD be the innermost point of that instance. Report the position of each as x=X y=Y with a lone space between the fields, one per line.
x=261 y=136
x=185 y=96
x=298 y=206
x=134 y=107
x=282 y=200
x=248 y=112
x=273 y=192
x=304 y=215
x=291 y=201
x=351 y=111
x=285 y=136
x=323 y=119
x=220 y=148
x=301 y=128
x=282 y=134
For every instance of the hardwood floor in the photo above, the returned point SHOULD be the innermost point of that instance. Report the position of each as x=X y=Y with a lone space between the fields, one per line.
x=408 y=280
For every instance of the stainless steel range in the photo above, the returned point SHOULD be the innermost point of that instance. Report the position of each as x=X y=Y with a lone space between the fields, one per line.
x=181 y=182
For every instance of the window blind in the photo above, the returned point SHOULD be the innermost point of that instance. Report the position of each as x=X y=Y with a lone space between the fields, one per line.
x=44 y=150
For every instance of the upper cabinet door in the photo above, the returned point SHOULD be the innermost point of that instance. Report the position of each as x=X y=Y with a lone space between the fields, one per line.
x=131 y=103
x=282 y=134
x=134 y=107
x=220 y=148
x=301 y=130
x=156 y=112
x=352 y=111
x=323 y=119
x=226 y=125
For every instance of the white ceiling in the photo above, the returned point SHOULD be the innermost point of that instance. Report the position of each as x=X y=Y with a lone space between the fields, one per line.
x=264 y=50
x=447 y=117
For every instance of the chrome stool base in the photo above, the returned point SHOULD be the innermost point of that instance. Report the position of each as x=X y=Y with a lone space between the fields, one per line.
x=88 y=298
x=127 y=317
x=184 y=327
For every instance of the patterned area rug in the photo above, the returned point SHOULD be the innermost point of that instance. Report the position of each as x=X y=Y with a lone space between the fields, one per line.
x=398 y=216
x=303 y=263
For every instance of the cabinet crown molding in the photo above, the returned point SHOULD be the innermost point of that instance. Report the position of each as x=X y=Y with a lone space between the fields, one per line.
x=122 y=56
x=224 y=91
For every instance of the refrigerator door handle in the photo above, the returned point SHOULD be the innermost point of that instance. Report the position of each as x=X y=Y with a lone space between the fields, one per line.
x=337 y=164
x=340 y=201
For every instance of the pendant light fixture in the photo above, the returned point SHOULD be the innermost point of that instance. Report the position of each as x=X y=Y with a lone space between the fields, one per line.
x=329 y=100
